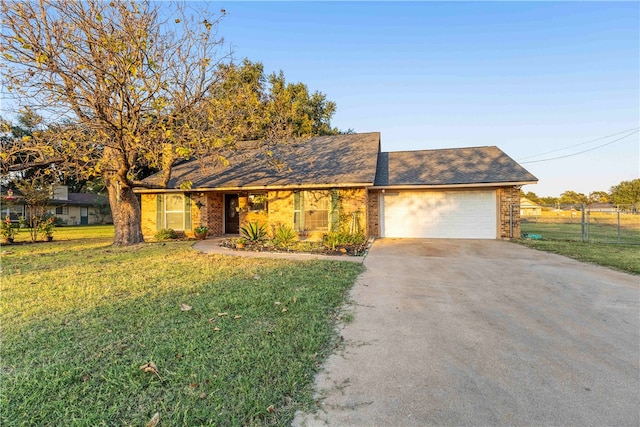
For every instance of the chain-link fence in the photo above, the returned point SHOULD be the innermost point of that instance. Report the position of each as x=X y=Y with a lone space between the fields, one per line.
x=597 y=223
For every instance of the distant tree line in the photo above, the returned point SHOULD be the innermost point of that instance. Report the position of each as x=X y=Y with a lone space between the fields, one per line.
x=625 y=193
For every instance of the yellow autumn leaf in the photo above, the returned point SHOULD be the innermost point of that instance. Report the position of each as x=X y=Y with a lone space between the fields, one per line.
x=153 y=422
x=185 y=307
x=150 y=367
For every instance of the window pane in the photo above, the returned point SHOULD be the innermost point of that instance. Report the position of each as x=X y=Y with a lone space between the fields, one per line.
x=258 y=202
x=316 y=210
x=174 y=203
x=175 y=220
x=316 y=220
x=174 y=211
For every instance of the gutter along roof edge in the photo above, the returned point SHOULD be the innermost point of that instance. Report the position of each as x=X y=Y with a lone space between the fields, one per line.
x=253 y=188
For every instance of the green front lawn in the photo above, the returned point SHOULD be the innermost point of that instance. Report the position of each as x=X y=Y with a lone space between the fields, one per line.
x=236 y=341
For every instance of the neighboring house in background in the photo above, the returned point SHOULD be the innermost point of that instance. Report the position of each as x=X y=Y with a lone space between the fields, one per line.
x=603 y=207
x=70 y=208
x=529 y=208
x=344 y=183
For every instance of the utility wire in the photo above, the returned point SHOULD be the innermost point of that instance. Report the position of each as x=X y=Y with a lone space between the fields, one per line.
x=583 y=151
x=577 y=145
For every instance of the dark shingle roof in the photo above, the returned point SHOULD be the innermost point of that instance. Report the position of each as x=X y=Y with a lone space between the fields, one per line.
x=474 y=165
x=81 y=199
x=322 y=160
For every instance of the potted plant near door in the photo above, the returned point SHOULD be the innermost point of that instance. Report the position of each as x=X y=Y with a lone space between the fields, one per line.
x=201 y=232
x=240 y=243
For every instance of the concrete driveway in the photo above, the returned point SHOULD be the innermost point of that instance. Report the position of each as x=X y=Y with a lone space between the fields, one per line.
x=469 y=332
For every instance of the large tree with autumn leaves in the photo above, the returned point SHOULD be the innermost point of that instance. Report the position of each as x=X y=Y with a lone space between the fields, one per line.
x=130 y=86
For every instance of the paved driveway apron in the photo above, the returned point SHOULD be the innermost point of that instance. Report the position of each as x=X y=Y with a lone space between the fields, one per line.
x=469 y=332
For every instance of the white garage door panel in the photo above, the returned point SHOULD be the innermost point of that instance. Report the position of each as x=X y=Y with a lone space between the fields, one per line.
x=446 y=214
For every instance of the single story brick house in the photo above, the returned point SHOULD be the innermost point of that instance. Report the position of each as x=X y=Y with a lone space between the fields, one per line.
x=344 y=183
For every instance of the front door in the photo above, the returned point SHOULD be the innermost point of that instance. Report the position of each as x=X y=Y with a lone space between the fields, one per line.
x=84 y=215
x=231 y=217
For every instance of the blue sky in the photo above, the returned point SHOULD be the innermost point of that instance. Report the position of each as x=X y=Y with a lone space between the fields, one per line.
x=529 y=77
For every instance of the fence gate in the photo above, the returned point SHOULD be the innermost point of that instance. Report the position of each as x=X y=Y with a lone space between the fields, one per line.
x=618 y=224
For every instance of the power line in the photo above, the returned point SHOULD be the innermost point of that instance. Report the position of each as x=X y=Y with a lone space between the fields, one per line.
x=577 y=145
x=583 y=151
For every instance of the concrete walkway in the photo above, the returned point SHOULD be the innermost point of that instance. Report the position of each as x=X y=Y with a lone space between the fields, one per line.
x=212 y=246
x=483 y=333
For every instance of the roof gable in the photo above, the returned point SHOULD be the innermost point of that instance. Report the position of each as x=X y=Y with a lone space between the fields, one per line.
x=322 y=160
x=454 y=166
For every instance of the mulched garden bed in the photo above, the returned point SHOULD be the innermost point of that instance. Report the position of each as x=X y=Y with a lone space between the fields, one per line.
x=299 y=247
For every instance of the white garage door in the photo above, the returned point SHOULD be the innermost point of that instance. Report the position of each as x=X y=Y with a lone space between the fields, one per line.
x=440 y=214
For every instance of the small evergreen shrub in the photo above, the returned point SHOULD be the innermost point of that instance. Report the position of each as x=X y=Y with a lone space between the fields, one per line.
x=284 y=236
x=166 y=234
x=334 y=239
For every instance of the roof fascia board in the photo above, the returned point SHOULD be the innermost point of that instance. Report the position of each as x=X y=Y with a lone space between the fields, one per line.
x=439 y=186
x=254 y=188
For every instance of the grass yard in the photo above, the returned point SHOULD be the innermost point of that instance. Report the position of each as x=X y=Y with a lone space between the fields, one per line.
x=620 y=257
x=236 y=341
x=597 y=232
x=564 y=238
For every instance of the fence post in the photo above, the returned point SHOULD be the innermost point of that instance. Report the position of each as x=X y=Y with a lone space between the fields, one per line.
x=618 y=225
x=511 y=221
x=588 y=225
x=583 y=225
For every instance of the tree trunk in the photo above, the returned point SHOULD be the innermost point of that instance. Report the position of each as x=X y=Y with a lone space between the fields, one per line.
x=125 y=211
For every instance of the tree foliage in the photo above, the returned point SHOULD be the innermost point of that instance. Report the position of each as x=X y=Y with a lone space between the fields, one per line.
x=132 y=88
x=531 y=196
x=626 y=193
x=599 y=197
x=572 y=198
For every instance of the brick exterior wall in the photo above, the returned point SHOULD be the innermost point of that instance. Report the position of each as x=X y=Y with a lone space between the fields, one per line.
x=373 y=220
x=353 y=206
x=148 y=214
x=246 y=217
x=212 y=213
x=364 y=204
x=280 y=210
x=509 y=212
